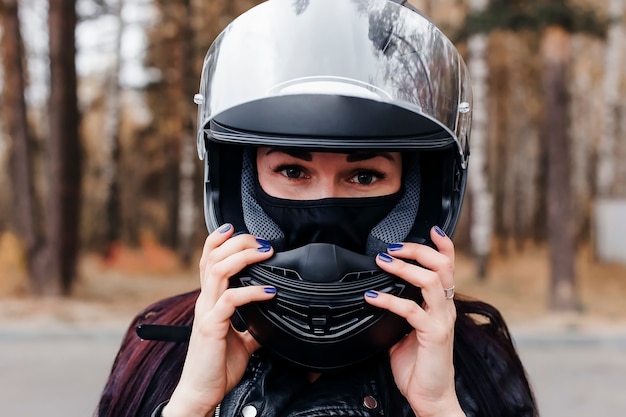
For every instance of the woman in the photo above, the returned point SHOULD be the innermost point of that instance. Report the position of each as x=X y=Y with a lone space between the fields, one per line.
x=336 y=139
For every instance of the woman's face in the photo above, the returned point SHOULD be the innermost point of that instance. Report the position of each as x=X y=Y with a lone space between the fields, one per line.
x=303 y=175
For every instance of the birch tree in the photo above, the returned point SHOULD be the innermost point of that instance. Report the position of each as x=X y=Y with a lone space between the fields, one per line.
x=111 y=140
x=613 y=69
x=478 y=182
x=186 y=213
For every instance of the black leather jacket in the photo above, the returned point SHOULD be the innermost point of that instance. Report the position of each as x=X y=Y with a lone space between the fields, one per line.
x=274 y=389
x=270 y=388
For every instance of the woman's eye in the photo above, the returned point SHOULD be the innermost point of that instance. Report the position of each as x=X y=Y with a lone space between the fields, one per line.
x=291 y=172
x=367 y=177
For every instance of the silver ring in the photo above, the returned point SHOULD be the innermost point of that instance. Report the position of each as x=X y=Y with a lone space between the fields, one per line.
x=449 y=292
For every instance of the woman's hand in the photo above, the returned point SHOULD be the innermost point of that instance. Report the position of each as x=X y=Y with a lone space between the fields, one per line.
x=422 y=361
x=218 y=355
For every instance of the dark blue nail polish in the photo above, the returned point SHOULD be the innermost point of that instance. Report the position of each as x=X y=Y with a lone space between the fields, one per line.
x=264 y=248
x=269 y=290
x=394 y=246
x=371 y=294
x=263 y=242
x=439 y=231
x=225 y=228
x=384 y=257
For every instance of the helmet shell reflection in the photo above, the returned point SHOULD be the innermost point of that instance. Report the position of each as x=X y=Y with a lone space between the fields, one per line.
x=374 y=50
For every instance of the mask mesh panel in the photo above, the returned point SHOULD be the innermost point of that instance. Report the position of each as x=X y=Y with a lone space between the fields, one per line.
x=398 y=223
x=257 y=221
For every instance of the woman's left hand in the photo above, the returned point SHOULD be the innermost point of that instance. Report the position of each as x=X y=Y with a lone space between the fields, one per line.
x=422 y=361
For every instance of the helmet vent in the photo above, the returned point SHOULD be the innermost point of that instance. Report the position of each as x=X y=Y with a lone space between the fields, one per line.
x=357 y=276
x=283 y=272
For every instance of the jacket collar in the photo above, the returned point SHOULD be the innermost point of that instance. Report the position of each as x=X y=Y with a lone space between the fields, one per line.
x=273 y=388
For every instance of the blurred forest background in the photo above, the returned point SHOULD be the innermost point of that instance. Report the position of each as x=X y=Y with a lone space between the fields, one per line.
x=97 y=144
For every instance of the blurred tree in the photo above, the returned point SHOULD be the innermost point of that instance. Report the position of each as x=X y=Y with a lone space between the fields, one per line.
x=555 y=20
x=607 y=149
x=111 y=139
x=175 y=116
x=555 y=54
x=177 y=48
x=187 y=219
x=63 y=149
x=481 y=224
x=21 y=155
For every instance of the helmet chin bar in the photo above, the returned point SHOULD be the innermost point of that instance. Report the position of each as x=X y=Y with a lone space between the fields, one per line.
x=319 y=318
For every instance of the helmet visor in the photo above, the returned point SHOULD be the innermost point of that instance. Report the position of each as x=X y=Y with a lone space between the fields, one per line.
x=374 y=51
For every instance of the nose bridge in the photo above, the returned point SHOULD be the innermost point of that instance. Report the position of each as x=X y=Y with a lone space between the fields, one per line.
x=328 y=186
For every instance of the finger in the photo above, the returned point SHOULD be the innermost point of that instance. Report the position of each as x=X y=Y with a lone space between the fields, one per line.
x=215 y=321
x=440 y=263
x=445 y=246
x=443 y=242
x=234 y=245
x=237 y=297
x=229 y=259
x=214 y=240
x=415 y=315
x=429 y=281
x=408 y=309
x=427 y=257
x=236 y=254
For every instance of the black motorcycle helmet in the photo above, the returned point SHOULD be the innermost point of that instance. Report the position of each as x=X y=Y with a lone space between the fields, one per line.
x=333 y=76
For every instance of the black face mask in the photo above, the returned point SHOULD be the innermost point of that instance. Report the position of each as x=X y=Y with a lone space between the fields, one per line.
x=345 y=222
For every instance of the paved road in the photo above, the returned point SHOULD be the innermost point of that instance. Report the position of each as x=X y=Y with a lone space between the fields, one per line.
x=576 y=376
x=60 y=372
x=57 y=374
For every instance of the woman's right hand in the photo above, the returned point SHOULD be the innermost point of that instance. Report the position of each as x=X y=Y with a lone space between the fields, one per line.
x=218 y=354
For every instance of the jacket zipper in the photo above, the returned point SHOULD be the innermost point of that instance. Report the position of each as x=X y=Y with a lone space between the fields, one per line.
x=217 y=410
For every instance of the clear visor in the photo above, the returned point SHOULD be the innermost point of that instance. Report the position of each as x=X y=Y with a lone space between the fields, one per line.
x=375 y=50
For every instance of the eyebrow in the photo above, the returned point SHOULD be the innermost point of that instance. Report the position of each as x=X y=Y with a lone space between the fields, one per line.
x=365 y=155
x=304 y=155
x=351 y=157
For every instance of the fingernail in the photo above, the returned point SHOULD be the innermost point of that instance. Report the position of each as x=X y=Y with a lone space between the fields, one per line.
x=384 y=257
x=439 y=231
x=269 y=290
x=394 y=246
x=263 y=242
x=371 y=294
x=264 y=248
x=225 y=228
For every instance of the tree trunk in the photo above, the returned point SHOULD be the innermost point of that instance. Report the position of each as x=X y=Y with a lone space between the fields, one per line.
x=613 y=69
x=555 y=57
x=499 y=88
x=175 y=14
x=111 y=141
x=64 y=151
x=482 y=202
x=21 y=152
x=180 y=126
x=187 y=216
